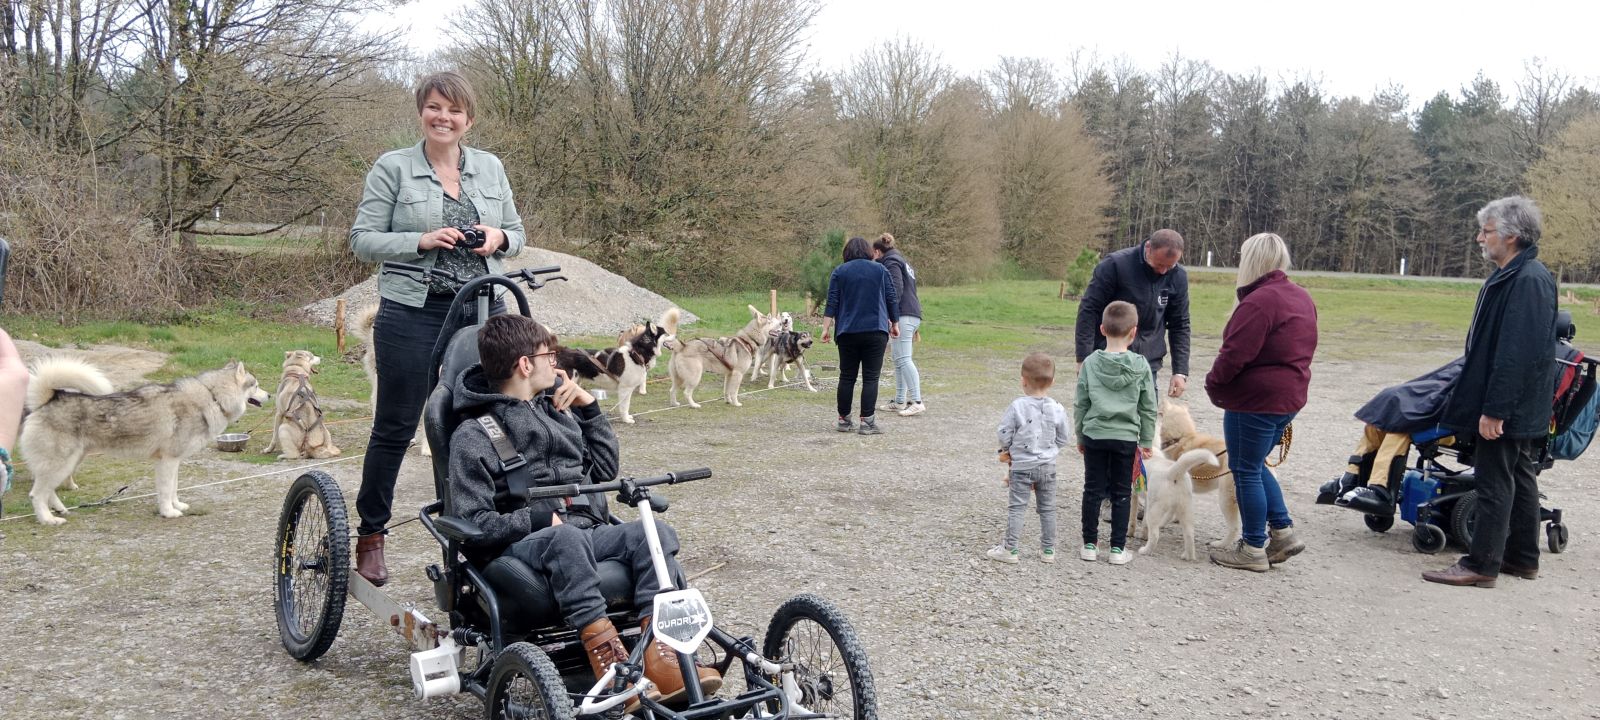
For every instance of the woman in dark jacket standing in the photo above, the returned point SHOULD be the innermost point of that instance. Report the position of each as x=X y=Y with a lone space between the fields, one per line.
x=1260 y=379
x=414 y=202
x=862 y=306
x=907 y=379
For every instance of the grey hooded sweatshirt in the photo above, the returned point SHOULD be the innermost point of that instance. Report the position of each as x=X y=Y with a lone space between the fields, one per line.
x=1116 y=398
x=575 y=446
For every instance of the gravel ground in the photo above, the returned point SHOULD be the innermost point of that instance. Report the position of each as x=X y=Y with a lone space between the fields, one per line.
x=592 y=301
x=120 y=614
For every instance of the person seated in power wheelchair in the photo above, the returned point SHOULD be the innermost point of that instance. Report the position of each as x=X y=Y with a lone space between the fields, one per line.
x=518 y=405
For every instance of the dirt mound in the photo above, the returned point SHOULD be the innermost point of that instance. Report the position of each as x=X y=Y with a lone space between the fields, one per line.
x=592 y=301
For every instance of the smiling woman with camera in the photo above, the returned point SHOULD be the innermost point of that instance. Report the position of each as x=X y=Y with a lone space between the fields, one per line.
x=437 y=204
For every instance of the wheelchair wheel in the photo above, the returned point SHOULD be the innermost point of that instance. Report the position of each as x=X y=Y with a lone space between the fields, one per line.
x=830 y=664
x=1378 y=523
x=1555 y=535
x=524 y=685
x=1428 y=538
x=311 y=566
x=1464 y=518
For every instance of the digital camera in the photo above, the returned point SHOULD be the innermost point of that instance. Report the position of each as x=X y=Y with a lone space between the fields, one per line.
x=472 y=238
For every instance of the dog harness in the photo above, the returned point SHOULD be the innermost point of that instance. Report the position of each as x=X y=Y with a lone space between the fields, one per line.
x=728 y=343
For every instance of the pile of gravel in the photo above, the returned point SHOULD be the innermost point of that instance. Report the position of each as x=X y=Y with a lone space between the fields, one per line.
x=592 y=300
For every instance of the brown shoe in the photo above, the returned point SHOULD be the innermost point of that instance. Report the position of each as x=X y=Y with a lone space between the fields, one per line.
x=661 y=666
x=604 y=648
x=1458 y=576
x=369 y=559
x=1526 y=573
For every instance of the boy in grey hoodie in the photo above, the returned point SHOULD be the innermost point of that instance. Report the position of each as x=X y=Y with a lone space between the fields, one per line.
x=1115 y=413
x=1032 y=433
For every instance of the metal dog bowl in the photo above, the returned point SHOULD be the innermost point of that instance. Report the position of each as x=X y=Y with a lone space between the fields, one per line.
x=232 y=442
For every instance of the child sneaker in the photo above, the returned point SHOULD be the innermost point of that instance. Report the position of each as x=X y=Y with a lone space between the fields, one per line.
x=912 y=409
x=999 y=553
x=1118 y=557
x=1048 y=556
x=892 y=406
x=1089 y=553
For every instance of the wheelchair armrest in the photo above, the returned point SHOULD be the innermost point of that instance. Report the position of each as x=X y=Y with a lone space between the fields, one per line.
x=460 y=530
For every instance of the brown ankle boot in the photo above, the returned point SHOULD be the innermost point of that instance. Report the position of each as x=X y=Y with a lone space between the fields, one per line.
x=369 y=559
x=661 y=666
x=604 y=648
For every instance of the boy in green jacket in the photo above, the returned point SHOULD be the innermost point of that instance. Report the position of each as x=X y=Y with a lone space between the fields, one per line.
x=1115 y=416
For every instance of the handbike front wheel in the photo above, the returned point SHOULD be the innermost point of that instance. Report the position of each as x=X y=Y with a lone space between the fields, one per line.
x=524 y=685
x=311 y=565
x=830 y=666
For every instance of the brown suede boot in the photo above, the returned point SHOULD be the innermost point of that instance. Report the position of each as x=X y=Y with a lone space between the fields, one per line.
x=369 y=559
x=661 y=666
x=604 y=648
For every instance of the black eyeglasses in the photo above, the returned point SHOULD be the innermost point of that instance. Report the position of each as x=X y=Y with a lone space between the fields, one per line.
x=550 y=353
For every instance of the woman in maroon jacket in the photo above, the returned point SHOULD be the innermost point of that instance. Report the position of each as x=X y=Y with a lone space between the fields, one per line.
x=1259 y=380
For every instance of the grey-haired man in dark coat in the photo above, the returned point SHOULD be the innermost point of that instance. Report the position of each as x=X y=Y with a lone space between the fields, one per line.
x=1504 y=395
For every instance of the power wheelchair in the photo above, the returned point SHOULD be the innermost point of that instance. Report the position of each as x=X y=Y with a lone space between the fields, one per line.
x=527 y=662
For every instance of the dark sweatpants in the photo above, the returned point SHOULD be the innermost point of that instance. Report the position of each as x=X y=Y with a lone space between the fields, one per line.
x=1508 y=506
x=1107 y=473
x=567 y=557
x=860 y=352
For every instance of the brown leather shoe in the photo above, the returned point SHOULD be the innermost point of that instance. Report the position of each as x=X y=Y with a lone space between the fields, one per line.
x=1526 y=573
x=369 y=559
x=661 y=666
x=1459 y=576
x=604 y=648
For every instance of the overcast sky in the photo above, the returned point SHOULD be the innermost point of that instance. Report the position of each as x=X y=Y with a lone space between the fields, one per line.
x=1352 y=46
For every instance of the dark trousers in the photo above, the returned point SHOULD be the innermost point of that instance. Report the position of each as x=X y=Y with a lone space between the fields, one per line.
x=402 y=343
x=1508 y=506
x=1107 y=473
x=567 y=557
x=860 y=352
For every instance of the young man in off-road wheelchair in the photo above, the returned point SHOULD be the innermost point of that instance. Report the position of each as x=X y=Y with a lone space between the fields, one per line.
x=572 y=613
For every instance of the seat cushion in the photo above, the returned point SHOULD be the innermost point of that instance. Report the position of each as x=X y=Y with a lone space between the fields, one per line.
x=526 y=602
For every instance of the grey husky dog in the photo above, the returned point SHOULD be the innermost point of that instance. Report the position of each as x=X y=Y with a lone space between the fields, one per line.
x=73 y=411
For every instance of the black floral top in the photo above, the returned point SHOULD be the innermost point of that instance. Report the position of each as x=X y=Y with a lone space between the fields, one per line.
x=459 y=260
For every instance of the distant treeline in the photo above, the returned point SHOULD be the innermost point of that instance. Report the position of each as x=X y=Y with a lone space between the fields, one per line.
x=681 y=142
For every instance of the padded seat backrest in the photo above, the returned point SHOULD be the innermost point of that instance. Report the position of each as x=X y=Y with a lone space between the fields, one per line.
x=439 y=417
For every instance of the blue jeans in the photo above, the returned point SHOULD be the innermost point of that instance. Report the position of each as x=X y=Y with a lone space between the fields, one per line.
x=1250 y=437
x=907 y=381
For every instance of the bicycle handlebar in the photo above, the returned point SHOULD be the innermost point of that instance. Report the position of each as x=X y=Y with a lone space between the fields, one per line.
x=573 y=490
x=527 y=275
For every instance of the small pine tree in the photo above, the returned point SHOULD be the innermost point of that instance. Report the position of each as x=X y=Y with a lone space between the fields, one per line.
x=818 y=264
x=1080 y=272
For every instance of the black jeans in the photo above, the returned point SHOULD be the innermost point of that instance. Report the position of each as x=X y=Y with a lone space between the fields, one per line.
x=567 y=556
x=860 y=352
x=402 y=343
x=1508 y=506
x=1107 y=473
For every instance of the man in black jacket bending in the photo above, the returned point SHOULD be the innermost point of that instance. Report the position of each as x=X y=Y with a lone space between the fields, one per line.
x=1504 y=397
x=565 y=439
x=1147 y=275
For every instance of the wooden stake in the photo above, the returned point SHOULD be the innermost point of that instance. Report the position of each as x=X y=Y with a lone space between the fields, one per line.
x=774 y=303
x=811 y=305
x=338 y=326
x=1062 y=295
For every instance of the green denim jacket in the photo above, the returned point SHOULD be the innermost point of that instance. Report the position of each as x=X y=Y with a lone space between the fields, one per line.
x=403 y=199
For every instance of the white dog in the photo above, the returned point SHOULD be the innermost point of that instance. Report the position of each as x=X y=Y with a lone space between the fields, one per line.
x=1169 y=497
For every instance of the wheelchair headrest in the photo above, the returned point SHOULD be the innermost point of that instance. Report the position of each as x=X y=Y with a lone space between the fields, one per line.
x=439 y=417
x=1565 y=328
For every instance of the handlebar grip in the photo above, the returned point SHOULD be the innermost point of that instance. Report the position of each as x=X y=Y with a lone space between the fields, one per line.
x=547 y=492
x=395 y=265
x=695 y=474
x=545 y=270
